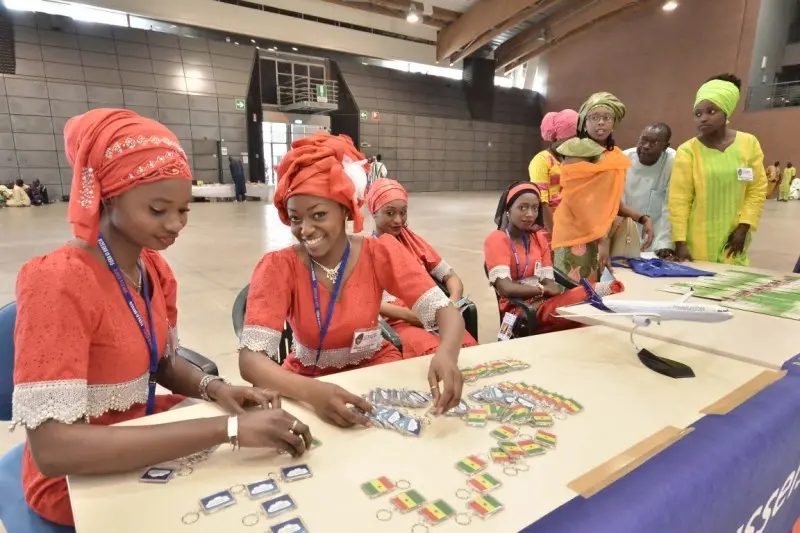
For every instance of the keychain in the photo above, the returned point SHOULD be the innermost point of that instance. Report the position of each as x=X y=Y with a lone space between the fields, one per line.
x=472 y=464
x=485 y=506
x=476 y=418
x=504 y=432
x=546 y=439
x=383 y=485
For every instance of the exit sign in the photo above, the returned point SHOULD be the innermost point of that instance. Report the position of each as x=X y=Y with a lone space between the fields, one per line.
x=239 y=104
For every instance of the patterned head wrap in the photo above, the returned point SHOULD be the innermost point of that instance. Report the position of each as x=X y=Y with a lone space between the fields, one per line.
x=606 y=100
x=112 y=151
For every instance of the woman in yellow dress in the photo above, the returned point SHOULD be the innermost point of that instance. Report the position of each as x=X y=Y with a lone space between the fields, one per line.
x=718 y=184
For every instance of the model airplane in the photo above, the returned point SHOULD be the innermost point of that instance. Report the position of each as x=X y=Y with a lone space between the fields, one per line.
x=644 y=312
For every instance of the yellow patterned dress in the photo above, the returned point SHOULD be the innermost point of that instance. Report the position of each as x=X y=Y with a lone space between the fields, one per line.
x=712 y=192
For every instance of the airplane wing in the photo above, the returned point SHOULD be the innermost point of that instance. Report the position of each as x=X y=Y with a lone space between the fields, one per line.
x=685 y=297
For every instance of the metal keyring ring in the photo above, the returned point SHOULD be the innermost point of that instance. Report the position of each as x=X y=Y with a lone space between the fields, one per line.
x=190 y=518
x=463 y=519
x=185 y=471
x=251 y=519
x=463 y=494
x=384 y=515
x=524 y=436
x=484 y=457
x=273 y=476
x=237 y=489
x=520 y=464
x=420 y=528
x=402 y=484
x=510 y=471
x=426 y=421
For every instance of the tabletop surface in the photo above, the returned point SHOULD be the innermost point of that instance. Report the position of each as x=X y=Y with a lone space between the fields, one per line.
x=623 y=402
x=751 y=337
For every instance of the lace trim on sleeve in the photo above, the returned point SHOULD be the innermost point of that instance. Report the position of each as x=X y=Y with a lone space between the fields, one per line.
x=499 y=272
x=388 y=298
x=261 y=339
x=172 y=342
x=441 y=271
x=70 y=400
x=427 y=305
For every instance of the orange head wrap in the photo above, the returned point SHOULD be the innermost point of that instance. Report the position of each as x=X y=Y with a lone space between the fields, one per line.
x=382 y=191
x=112 y=151
x=327 y=166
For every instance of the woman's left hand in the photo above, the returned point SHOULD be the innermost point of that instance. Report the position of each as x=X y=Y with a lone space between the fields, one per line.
x=444 y=368
x=736 y=241
x=236 y=399
x=648 y=233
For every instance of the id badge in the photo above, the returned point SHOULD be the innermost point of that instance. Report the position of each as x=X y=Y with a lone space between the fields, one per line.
x=507 y=327
x=366 y=340
x=745 y=174
x=537 y=270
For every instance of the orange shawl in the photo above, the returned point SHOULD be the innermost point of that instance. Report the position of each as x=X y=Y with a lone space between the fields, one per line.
x=590 y=198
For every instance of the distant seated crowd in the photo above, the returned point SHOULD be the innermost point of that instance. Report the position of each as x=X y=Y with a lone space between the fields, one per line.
x=18 y=194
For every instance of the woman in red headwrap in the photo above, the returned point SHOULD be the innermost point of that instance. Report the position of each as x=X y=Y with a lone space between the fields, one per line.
x=520 y=262
x=107 y=301
x=387 y=201
x=329 y=287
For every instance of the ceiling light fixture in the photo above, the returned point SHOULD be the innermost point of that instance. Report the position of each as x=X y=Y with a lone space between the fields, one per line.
x=413 y=15
x=253 y=41
x=294 y=48
x=672 y=5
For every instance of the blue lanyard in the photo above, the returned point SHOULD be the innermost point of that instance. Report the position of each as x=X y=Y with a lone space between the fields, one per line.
x=323 y=327
x=516 y=257
x=149 y=336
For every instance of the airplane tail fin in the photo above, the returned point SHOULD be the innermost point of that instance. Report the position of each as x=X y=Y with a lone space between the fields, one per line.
x=594 y=299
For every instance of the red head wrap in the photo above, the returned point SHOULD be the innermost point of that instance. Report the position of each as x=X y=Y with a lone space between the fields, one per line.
x=382 y=191
x=559 y=126
x=326 y=166
x=111 y=151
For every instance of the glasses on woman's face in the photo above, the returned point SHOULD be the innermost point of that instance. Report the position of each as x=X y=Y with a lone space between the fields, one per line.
x=596 y=119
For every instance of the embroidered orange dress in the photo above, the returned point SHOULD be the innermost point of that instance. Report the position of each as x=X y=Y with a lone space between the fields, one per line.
x=92 y=365
x=280 y=291
x=501 y=265
x=418 y=341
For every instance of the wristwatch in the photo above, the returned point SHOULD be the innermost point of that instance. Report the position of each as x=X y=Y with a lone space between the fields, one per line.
x=233 y=431
x=205 y=382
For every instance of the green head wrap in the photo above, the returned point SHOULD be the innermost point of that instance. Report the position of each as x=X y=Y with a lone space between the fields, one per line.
x=601 y=100
x=722 y=93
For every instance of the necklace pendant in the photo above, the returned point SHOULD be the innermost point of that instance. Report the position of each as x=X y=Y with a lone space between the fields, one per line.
x=332 y=275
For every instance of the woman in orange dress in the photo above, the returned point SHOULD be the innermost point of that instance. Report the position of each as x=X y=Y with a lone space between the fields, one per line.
x=520 y=262
x=107 y=301
x=387 y=201
x=329 y=287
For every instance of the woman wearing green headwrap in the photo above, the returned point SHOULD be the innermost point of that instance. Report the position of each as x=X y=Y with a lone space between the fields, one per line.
x=718 y=183
x=592 y=184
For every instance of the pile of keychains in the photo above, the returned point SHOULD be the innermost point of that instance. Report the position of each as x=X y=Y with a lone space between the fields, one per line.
x=178 y=468
x=519 y=404
x=492 y=368
x=385 y=413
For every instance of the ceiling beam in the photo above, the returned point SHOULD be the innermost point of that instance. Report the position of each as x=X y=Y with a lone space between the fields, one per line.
x=475 y=22
x=528 y=44
x=399 y=9
x=505 y=26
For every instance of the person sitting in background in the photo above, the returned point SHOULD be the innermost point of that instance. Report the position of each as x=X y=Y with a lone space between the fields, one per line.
x=329 y=287
x=237 y=175
x=647 y=183
x=545 y=167
x=520 y=262
x=794 y=190
x=593 y=182
x=773 y=180
x=108 y=303
x=786 y=183
x=387 y=201
x=718 y=184
x=38 y=193
x=19 y=198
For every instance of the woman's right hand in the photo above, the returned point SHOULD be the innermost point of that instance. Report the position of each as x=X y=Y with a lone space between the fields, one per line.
x=682 y=252
x=332 y=403
x=604 y=257
x=273 y=428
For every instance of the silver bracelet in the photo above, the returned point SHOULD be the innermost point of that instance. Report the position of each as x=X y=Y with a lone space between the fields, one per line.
x=205 y=382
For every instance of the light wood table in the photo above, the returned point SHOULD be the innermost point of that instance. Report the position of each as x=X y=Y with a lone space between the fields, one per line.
x=624 y=403
x=751 y=337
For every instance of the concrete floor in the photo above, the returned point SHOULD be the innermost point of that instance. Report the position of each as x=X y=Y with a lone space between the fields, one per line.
x=213 y=261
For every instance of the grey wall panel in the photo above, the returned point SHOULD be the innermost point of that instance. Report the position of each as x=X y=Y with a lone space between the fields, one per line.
x=203 y=103
x=231 y=63
x=26 y=67
x=201 y=86
x=61 y=55
x=6 y=141
x=104 y=95
x=234 y=134
x=193 y=43
x=231 y=120
x=135 y=64
x=165 y=54
x=137 y=79
x=62 y=71
x=147 y=112
x=29 y=106
x=170 y=83
x=232 y=76
x=181 y=131
x=67 y=109
x=167 y=68
x=34 y=141
x=137 y=97
x=58 y=39
x=26 y=88
x=131 y=35
x=198 y=71
x=58 y=127
x=26 y=35
x=66 y=91
x=48 y=176
x=28 y=51
x=133 y=50
x=174 y=101
x=196 y=58
x=8 y=158
x=204 y=118
x=98 y=60
x=231 y=89
x=31 y=124
x=96 y=44
x=102 y=75
x=173 y=116
x=162 y=39
x=5 y=123
x=27 y=159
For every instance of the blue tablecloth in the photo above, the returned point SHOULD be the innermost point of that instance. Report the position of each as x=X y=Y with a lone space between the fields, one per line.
x=737 y=473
